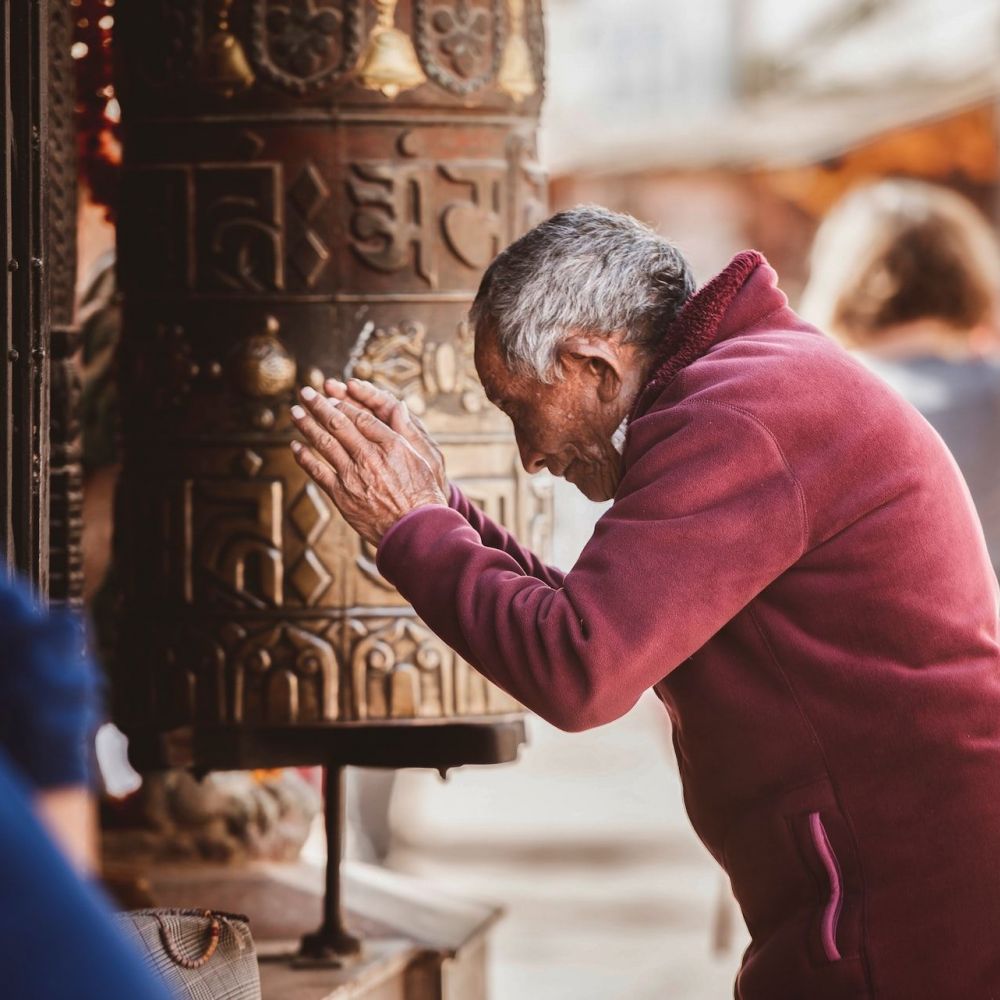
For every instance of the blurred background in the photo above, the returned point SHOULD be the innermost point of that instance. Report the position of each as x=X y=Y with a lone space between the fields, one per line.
x=724 y=124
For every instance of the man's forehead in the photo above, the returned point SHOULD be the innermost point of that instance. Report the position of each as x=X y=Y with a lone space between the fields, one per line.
x=494 y=374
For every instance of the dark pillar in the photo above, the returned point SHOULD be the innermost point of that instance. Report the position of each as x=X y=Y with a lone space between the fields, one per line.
x=24 y=305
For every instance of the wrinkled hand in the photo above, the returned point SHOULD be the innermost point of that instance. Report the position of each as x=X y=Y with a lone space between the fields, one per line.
x=396 y=414
x=371 y=473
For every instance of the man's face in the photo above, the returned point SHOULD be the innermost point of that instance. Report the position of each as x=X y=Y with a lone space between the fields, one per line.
x=564 y=426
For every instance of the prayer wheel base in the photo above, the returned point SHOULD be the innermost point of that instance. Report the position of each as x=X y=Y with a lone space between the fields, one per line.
x=414 y=743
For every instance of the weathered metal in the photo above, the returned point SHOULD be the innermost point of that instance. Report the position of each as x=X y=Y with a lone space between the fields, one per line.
x=283 y=219
x=24 y=305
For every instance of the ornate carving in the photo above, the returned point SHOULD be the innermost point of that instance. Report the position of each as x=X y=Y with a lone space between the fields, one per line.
x=207 y=682
x=248 y=462
x=239 y=226
x=264 y=672
x=307 y=195
x=310 y=514
x=391 y=224
x=418 y=371
x=232 y=542
x=391 y=358
x=310 y=578
x=460 y=43
x=60 y=165
x=449 y=369
x=222 y=226
x=284 y=673
x=302 y=45
x=309 y=191
x=262 y=366
x=399 y=670
x=65 y=461
x=392 y=227
x=474 y=229
x=65 y=473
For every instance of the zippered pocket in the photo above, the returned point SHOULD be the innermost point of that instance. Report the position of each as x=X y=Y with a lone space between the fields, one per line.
x=795 y=871
x=830 y=916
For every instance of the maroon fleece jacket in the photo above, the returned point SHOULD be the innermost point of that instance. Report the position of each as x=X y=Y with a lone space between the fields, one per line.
x=792 y=561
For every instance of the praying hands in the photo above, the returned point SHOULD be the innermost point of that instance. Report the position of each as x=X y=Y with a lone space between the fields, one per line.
x=368 y=454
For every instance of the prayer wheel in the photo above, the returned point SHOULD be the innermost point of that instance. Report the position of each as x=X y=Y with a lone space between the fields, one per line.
x=310 y=188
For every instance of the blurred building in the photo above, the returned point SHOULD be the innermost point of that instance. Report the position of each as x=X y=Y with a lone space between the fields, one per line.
x=739 y=122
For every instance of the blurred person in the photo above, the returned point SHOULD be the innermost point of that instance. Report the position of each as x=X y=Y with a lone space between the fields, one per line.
x=57 y=937
x=791 y=561
x=908 y=275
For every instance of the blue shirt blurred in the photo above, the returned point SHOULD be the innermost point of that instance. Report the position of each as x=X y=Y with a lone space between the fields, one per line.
x=58 y=940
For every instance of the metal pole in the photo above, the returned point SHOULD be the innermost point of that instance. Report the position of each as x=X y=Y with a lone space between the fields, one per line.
x=332 y=943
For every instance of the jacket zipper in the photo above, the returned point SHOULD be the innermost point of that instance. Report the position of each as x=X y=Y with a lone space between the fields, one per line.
x=835 y=899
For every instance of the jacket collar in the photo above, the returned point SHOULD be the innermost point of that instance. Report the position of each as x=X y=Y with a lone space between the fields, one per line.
x=702 y=321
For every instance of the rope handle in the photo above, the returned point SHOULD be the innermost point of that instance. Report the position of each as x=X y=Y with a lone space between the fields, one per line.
x=215 y=929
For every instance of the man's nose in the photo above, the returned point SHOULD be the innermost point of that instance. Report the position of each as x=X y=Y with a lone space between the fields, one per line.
x=533 y=461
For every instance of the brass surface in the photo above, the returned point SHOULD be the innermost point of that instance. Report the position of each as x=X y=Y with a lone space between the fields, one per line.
x=516 y=76
x=225 y=69
x=303 y=226
x=389 y=63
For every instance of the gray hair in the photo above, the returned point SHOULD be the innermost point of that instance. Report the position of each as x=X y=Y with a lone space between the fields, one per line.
x=586 y=269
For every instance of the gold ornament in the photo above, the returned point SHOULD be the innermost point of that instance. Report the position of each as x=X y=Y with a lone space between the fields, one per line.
x=389 y=63
x=516 y=77
x=224 y=68
x=263 y=367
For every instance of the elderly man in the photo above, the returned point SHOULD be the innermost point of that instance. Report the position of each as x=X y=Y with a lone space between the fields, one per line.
x=792 y=562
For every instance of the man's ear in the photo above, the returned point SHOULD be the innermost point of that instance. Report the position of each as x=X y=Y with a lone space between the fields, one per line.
x=598 y=359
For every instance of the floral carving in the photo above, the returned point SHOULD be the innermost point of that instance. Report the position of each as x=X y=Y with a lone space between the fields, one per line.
x=421 y=372
x=303 y=44
x=302 y=36
x=459 y=43
x=464 y=34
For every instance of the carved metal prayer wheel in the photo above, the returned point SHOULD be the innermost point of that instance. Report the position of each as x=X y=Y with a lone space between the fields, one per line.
x=310 y=188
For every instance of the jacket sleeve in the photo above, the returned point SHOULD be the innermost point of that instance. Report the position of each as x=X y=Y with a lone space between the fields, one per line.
x=494 y=536
x=707 y=515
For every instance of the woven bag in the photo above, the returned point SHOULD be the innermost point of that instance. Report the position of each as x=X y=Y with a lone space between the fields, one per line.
x=199 y=954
